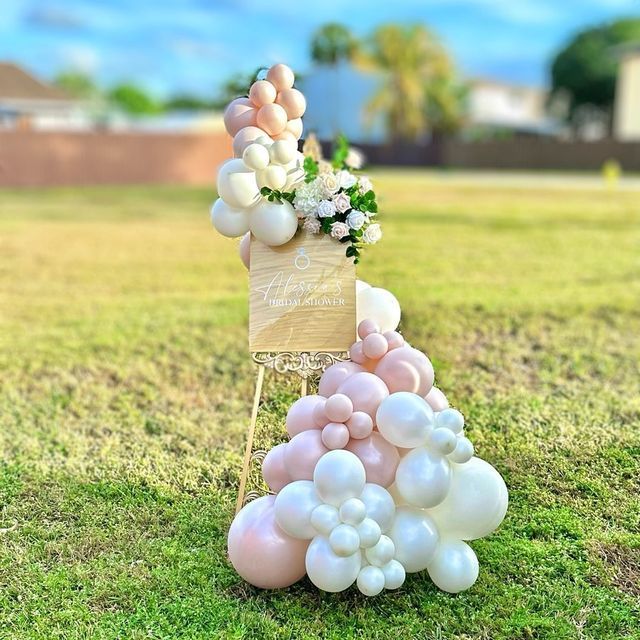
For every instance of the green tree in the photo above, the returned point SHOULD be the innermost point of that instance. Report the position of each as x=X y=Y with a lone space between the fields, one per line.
x=585 y=70
x=77 y=85
x=236 y=86
x=332 y=43
x=418 y=91
x=134 y=100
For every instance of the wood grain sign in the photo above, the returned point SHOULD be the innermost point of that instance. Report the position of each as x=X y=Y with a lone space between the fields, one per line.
x=302 y=296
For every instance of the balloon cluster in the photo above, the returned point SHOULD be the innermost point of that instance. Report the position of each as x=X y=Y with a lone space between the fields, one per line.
x=377 y=479
x=265 y=127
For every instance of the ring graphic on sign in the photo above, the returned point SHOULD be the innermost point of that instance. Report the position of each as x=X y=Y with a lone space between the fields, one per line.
x=302 y=260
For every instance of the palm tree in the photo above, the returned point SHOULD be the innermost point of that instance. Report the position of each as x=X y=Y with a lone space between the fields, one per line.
x=416 y=72
x=332 y=43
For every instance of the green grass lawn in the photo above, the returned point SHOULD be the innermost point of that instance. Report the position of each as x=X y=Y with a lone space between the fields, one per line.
x=126 y=389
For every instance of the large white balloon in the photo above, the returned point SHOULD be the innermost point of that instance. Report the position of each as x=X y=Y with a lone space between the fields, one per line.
x=415 y=537
x=476 y=503
x=329 y=571
x=405 y=419
x=339 y=475
x=293 y=507
x=454 y=567
x=272 y=223
x=379 y=505
x=228 y=221
x=378 y=305
x=423 y=478
x=237 y=184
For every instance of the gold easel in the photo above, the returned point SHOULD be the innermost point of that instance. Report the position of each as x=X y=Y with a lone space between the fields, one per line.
x=304 y=364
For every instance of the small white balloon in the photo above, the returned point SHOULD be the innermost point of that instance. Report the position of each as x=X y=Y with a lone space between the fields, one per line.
x=352 y=511
x=415 y=537
x=325 y=518
x=361 y=285
x=378 y=305
x=382 y=552
x=442 y=441
x=344 y=540
x=369 y=532
x=228 y=221
x=463 y=451
x=371 y=581
x=272 y=223
x=423 y=478
x=282 y=152
x=394 y=575
x=274 y=177
x=338 y=476
x=328 y=571
x=454 y=566
x=379 y=505
x=293 y=508
x=237 y=184
x=450 y=419
x=256 y=157
x=405 y=419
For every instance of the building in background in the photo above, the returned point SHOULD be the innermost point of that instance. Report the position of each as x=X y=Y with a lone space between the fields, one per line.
x=626 y=119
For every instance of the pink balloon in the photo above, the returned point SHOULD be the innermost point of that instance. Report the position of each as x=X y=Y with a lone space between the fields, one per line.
x=293 y=103
x=273 y=470
x=335 y=435
x=357 y=355
x=394 y=339
x=260 y=551
x=379 y=458
x=302 y=454
x=244 y=138
x=437 y=400
x=239 y=114
x=367 y=327
x=366 y=391
x=374 y=346
x=360 y=425
x=406 y=369
x=244 y=249
x=300 y=416
x=338 y=408
x=262 y=92
x=272 y=118
x=320 y=417
x=281 y=76
x=287 y=135
x=335 y=375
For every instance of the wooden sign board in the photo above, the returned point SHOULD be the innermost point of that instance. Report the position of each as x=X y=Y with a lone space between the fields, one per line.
x=302 y=296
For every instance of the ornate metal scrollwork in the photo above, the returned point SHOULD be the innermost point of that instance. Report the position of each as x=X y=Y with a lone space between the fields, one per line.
x=304 y=363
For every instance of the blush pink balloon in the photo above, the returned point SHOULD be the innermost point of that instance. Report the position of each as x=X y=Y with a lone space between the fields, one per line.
x=367 y=327
x=262 y=92
x=406 y=369
x=394 y=339
x=374 y=346
x=437 y=400
x=338 y=408
x=320 y=417
x=239 y=114
x=356 y=354
x=273 y=470
x=272 y=118
x=281 y=76
x=302 y=454
x=244 y=249
x=335 y=435
x=335 y=375
x=260 y=551
x=360 y=425
x=366 y=391
x=293 y=102
x=300 y=416
x=379 y=458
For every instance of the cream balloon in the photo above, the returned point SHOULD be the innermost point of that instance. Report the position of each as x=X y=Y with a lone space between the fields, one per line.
x=423 y=478
x=339 y=475
x=237 y=184
x=394 y=575
x=361 y=285
x=272 y=223
x=295 y=127
x=371 y=581
x=247 y=136
x=293 y=508
x=244 y=249
x=405 y=419
x=282 y=152
x=256 y=156
x=228 y=221
x=274 y=176
x=329 y=571
x=379 y=505
x=281 y=76
x=454 y=566
x=415 y=537
x=378 y=305
x=476 y=503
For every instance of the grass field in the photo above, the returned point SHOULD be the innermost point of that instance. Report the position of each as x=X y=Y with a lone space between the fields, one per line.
x=126 y=388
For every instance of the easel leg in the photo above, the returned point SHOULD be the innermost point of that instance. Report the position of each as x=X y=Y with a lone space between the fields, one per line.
x=304 y=388
x=249 y=447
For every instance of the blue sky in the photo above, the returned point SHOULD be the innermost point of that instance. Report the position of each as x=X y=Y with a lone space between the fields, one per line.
x=173 y=46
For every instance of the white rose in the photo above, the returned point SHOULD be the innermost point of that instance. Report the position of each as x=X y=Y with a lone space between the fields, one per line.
x=346 y=179
x=372 y=234
x=356 y=219
x=330 y=184
x=342 y=202
x=354 y=159
x=312 y=225
x=326 y=209
x=324 y=167
x=364 y=184
x=339 y=230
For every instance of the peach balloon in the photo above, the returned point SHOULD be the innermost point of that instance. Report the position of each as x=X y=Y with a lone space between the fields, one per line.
x=262 y=92
x=260 y=551
x=272 y=118
x=239 y=114
x=293 y=102
x=335 y=375
x=366 y=392
x=244 y=249
x=406 y=369
x=300 y=416
x=295 y=127
x=273 y=470
x=245 y=137
x=281 y=77
x=437 y=400
x=379 y=458
x=302 y=454
x=288 y=136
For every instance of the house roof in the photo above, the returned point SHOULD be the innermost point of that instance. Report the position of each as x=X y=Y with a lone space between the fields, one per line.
x=17 y=84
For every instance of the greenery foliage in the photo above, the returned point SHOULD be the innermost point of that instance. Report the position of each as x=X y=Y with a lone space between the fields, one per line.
x=332 y=43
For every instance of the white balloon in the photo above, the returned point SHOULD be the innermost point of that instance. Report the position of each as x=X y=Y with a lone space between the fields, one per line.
x=344 y=540
x=423 y=478
x=338 y=476
x=463 y=451
x=378 y=305
x=415 y=537
x=237 y=184
x=394 y=575
x=379 y=505
x=293 y=508
x=272 y=223
x=353 y=511
x=282 y=151
x=369 y=532
x=325 y=518
x=329 y=571
x=405 y=419
x=228 y=221
x=371 y=581
x=450 y=419
x=256 y=157
x=442 y=441
x=476 y=504
x=274 y=176
x=295 y=171
x=454 y=567
x=382 y=552
x=361 y=285
x=247 y=136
